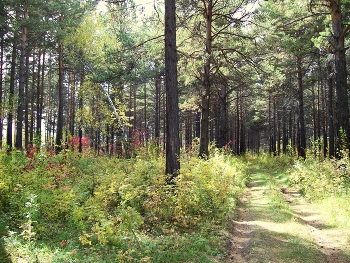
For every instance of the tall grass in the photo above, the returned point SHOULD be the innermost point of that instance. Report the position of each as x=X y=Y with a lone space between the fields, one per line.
x=79 y=208
x=326 y=183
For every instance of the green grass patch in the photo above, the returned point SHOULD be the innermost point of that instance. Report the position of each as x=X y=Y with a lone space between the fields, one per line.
x=281 y=247
x=80 y=208
x=281 y=235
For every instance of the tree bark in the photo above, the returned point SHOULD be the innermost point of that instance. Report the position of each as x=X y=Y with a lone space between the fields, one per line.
x=72 y=105
x=238 y=122
x=1 y=87
x=145 y=113
x=324 y=122
x=284 y=131
x=41 y=95
x=9 y=130
x=157 y=110
x=80 y=131
x=22 y=69
x=331 y=133
x=222 y=118
x=272 y=127
x=341 y=100
x=37 y=97
x=188 y=129
x=197 y=128
x=205 y=104
x=172 y=104
x=32 y=103
x=26 y=103
x=242 y=141
x=59 y=129
x=302 y=134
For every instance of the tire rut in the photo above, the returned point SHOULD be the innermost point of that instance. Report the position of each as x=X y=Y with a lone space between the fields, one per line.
x=252 y=225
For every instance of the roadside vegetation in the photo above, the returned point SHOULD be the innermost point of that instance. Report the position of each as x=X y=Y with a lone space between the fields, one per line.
x=83 y=208
x=75 y=207
x=321 y=181
x=280 y=222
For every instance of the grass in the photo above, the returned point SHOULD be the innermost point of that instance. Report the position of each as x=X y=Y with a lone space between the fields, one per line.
x=79 y=208
x=166 y=248
x=280 y=234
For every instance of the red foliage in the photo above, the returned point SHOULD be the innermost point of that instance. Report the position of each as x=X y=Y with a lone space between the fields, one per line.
x=74 y=142
x=63 y=243
x=227 y=147
x=31 y=150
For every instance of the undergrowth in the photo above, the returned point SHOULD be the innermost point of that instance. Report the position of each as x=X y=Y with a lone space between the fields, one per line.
x=326 y=183
x=81 y=208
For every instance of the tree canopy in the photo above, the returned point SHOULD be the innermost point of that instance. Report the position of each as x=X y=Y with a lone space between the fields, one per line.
x=247 y=75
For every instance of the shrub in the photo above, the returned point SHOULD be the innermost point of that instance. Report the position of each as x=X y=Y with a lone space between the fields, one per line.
x=83 y=202
x=318 y=179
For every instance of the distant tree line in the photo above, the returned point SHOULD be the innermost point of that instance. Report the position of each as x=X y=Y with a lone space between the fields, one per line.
x=251 y=76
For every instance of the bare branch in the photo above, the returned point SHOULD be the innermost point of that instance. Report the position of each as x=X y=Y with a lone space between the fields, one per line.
x=345 y=32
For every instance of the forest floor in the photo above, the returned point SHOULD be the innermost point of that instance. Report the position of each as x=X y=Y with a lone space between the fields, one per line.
x=275 y=224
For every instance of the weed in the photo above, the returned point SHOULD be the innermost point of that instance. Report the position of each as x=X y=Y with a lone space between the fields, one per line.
x=79 y=208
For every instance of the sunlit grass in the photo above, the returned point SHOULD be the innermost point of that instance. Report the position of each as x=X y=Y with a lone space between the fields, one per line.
x=77 y=208
x=281 y=235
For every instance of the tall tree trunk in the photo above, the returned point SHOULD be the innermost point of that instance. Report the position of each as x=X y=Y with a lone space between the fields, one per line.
x=22 y=70
x=272 y=126
x=9 y=131
x=242 y=141
x=331 y=133
x=32 y=103
x=278 y=128
x=319 y=100
x=157 y=110
x=172 y=100
x=40 y=94
x=205 y=104
x=238 y=123
x=284 y=131
x=342 y=107
x=72 y=105
x=37 y=96
x=324 y=115
x=197 y=127
x=145 y=113
x=48 y=138
x=26 y=103
x=302 y=133
x=222 y=118
x=314 y=119
x=2 y=50
x=130 y=113
x=80 y=131
x=188 y=129
x=59 y=129
x=135 y=110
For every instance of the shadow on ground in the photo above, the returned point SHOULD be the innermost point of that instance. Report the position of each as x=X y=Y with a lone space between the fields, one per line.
x=270 y=246
x=268 y=228
x=4 y=256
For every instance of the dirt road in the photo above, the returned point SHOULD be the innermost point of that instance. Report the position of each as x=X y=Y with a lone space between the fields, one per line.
x=275 y=224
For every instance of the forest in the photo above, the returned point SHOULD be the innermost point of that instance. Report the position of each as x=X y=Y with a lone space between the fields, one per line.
x=129 y=128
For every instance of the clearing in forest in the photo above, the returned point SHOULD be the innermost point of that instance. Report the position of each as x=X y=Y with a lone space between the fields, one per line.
x=276 y=224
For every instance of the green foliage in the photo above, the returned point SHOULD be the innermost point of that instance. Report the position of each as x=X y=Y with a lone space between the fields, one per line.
x=268 y=162
x=88 y=209
x=320 y=179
